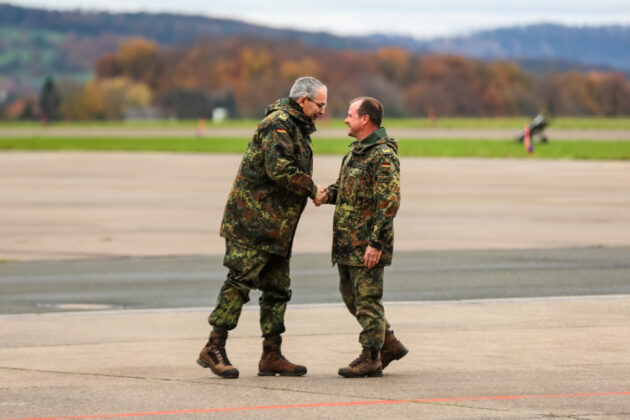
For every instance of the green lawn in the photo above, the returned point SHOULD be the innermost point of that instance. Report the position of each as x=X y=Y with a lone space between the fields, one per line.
x=601 y=150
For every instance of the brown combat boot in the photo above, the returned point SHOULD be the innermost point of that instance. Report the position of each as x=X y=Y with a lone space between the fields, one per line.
x=272 y=362
x=392 y=349
x=367 y=364
x=213 y=355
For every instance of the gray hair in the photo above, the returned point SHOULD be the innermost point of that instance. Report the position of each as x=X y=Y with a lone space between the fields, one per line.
x=305 y=86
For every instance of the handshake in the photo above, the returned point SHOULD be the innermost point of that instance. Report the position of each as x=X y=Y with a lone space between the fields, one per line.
x=321 y=197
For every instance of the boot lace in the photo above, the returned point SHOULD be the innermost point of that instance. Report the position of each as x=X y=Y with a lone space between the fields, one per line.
x=364 y=357
x=358 y=360
x=221 y=355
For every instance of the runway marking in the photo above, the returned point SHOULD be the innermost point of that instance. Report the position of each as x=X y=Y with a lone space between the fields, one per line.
x=333 y=404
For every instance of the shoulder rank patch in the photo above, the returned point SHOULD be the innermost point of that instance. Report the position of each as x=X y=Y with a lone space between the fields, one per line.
x=282 y=116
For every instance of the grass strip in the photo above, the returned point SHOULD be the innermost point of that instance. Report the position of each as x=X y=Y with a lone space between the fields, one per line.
x=583 y=150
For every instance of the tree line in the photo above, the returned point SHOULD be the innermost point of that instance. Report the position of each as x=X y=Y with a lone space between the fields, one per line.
x=244 y=74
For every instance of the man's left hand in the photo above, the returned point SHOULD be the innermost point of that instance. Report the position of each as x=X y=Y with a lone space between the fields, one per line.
x=372 y=257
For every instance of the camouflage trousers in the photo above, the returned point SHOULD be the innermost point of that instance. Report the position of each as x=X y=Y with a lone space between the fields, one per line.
x=362 y=292
x=253 y=269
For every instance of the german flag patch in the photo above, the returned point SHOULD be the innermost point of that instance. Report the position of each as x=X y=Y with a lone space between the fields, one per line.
x=281 y=130
x=385 y=165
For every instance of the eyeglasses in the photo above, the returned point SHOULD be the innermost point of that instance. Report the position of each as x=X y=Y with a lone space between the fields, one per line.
x=321 y=106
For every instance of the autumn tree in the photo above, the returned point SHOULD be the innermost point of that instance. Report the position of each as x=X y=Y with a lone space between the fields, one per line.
x=247 y=74
x=394 y=65
x=135 y=58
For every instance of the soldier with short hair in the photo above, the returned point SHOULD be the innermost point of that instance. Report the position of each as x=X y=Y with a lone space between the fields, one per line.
x=264 y=206
x=367 y=197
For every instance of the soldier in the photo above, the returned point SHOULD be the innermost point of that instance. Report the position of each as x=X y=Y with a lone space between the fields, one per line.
x=367 y=197
x=260 y=218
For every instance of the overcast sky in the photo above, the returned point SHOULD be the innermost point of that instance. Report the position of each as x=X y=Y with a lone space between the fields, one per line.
x=419 y=18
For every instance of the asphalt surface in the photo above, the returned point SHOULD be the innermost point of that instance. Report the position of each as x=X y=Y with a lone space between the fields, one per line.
x=194 y=281
x=510 y=287
x=77 y=205
x=323 y=132
x=541 y=358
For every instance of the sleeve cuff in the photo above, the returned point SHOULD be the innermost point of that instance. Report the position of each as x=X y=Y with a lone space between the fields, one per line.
x=313 y=192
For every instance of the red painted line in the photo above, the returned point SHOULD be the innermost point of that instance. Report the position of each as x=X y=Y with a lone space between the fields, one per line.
x=332 y=404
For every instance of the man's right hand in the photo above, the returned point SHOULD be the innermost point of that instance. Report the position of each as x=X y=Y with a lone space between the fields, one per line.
x=321 y=197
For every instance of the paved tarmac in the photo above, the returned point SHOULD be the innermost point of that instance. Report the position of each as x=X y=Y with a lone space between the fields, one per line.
x=323 y=131
x=502 y=359
x=63 y=206
x=510 y=290
x=194 y=281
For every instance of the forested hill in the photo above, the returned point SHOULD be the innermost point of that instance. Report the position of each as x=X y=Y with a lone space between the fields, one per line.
x=37 y=43
x=164 y=28
x=602 y=45
x=104 y=64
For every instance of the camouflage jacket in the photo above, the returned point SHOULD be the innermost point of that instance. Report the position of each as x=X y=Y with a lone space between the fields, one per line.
x=367 y=197
x=273 y=182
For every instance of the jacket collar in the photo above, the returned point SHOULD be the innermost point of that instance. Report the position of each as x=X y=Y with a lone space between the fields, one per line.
x=294 y=109
x=378 y=136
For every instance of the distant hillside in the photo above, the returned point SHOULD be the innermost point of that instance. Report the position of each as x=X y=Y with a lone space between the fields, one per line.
x=164 y=28
x=35 y=43
x=601 y=46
